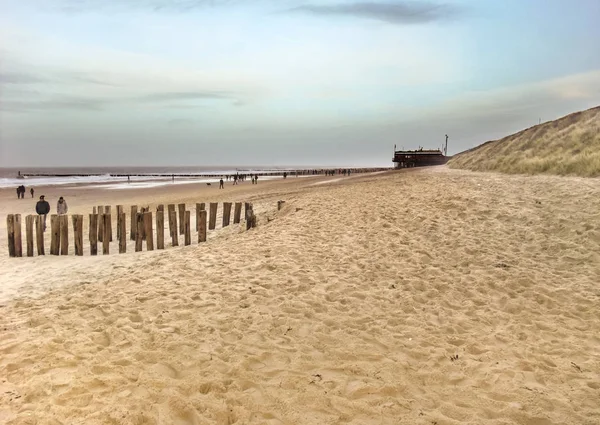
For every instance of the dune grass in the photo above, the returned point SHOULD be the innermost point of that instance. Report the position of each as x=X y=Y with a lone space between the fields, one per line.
x=566 y=146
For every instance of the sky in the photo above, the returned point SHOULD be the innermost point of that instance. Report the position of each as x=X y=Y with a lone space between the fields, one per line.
x=283 y=82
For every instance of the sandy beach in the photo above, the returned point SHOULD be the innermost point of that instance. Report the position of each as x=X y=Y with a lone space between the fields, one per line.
x=429 y=297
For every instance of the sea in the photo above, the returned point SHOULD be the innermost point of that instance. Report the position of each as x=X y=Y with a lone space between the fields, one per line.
x=104 y=177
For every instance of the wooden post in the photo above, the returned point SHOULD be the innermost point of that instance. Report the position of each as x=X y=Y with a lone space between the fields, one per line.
x=247 y=206
x=133 y=230
x=199 y=207
x=173 y=228
x=55 y=235
x=237 y=213
x=93 y=234
x=78 y=234
x=280 y=205
x=160 y=208
x=10 y=226
x=139 y=224
x=160 y=229
x=18 y=243
x=110 y=232
x=202 y=227
x=29 y=234
x=181 y=208
x=226 y=213
x=106 y=219
x=250 y=217
x=148 y=231
x=94 y=210
x=39 y=234
x=100 y=223
x=122 y=233
x=64 y=234
x=119 y=212
x=212 y=222
x=187 y=230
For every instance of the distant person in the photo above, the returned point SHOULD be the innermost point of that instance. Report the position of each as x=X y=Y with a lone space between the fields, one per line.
x=18 y=192
x=285 y=175
x=31 y=191
x=61 y=206
x=221 y=184
x=235 y=179
x=256 y=179
x=42 y=208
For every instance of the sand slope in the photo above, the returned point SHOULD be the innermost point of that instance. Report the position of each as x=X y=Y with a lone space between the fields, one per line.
x=349 y=307
x=566 y=146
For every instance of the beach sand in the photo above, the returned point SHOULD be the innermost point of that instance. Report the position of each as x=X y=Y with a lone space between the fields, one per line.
x=430 y=297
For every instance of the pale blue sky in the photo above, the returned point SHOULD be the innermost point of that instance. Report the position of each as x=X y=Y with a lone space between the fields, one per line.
x=265 y=82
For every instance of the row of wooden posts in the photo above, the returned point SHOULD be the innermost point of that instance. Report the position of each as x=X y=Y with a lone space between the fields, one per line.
x=141 y=228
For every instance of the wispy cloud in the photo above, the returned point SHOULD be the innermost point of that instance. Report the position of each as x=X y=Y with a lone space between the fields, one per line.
x=58 y=101
x=75 y=6
x=195 y=95
x=398 y=13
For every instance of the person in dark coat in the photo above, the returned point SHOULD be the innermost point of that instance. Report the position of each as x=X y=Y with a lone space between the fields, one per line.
x=42 y=208
x=31 y=191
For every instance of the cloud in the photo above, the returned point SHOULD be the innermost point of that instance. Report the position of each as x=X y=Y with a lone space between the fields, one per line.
x=197 y=95
x=398 y=13
x=20 y=78
x=179 y=6
x=59 y=101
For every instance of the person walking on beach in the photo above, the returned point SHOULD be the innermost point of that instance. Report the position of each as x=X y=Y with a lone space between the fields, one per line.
x=61 y=206
x=18 y=192
x=256 y=179
x=31 y=191
x=42 y=208
x=221 y=184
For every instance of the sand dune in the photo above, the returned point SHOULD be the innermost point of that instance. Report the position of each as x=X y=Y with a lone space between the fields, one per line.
x=425 y=297
x=566 y=146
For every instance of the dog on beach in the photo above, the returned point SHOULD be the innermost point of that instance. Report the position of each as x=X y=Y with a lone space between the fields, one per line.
x=208 y=184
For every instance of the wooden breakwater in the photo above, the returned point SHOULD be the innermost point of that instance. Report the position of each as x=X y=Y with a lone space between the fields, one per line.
x=239 y=172
x=145 y=227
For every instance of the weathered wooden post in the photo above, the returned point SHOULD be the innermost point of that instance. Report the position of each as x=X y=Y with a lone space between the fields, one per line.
x=106 y=219
x=172 y=221
x=173 y=228
x=160 y=229
x=94 y=210
x=18 y=243
x=202 y=226
x=250 y=217
x=10 y=226
x=122 y=233
x=280 y=205
x=181 y=208
x=247 y=205
x=93 y=234
x=139 y=223
x=212 y=221
x=119 y=212
x=64 y=234
x=160 y=208
x=29 y=234
x=55 y=235
x=187 y=231
x=107 y=210
x=133 y=219
x=100 y=223
x=237 y=213
x=148 y=231
x=78 y=234
x=226 y=213
x=39 y=234
x=199 y=207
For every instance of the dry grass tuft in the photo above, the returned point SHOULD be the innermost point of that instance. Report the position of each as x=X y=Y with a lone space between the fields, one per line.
x=566 y=146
